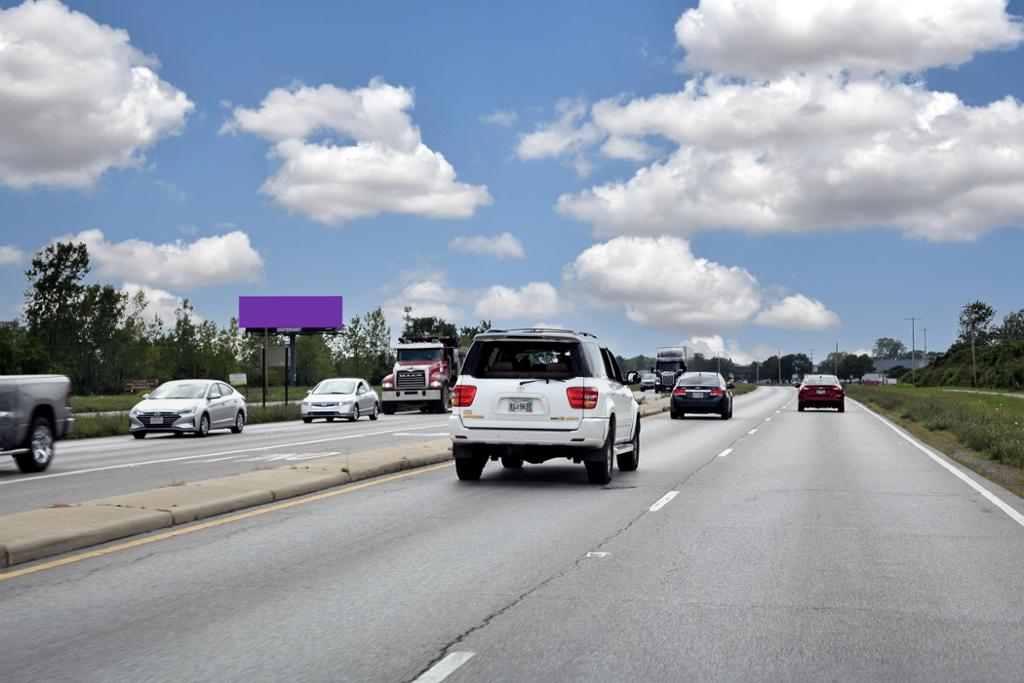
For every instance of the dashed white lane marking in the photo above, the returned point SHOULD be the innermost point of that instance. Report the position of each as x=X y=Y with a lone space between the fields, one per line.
x=753 y=431
x=427 y=434
x=767 y=419
x=107 y=468
x=444 y=668
x=988 y=495
x=724 y=453
x=663 y=501
x=597 y=553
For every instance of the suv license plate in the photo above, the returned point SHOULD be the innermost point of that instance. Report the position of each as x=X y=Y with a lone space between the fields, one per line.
x=520 y=405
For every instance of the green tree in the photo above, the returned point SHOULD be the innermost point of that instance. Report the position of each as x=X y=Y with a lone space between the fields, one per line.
x=888 y=348
x=429 y=327
x=53 y=301
x=467 y=333
x=1012 y=328
x=976 y=320
x=312 y=360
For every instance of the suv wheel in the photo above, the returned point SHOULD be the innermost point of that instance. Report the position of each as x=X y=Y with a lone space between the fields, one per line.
x=40 y=453
x=469 y=464
x=628 y=462
x=511 y=462
x=599 y=470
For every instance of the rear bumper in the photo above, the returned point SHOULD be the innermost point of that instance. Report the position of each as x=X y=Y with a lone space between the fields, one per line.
x=686 y=405
x=592 y=433
x=821 y=402
x=412 y=395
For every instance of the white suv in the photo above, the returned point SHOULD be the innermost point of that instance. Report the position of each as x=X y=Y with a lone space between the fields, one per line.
x=536 y=394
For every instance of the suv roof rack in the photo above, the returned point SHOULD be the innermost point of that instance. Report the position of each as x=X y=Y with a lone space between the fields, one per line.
x=543 y=329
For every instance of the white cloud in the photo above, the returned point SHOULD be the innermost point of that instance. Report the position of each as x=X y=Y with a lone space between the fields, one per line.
x=798 y=312
x=769 y=39
x=569 y=135
x=429 y=295
x=501 y=117
x=217 y=260
x=663 y=286
x=715 y=346
x=862 y=351
x=532 y=300
x=387 y=169
x=76 y=98
x=812 y=152
x=159 y=304
x=500 y=246
x=10 y=255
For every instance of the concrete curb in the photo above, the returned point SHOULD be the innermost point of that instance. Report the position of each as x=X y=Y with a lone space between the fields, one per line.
x=34 y=535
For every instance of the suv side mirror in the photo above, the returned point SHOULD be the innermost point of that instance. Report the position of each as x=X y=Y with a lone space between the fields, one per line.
x=632 y=377
x=730 y=385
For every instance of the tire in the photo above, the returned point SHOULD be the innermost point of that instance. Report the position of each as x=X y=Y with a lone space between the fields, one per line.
x=376 y=409
x=469 y=464
x=442 y=405
x=628 y=462
x=600 y=471
x=329 y=419
x=204 y=426
x=355 y=414
x=40 y=445
x=800 y=407
x=674 y=415
x=307 y=420
x=724 y=414
x=388 y=408
x=141 y=435
x=511 y=462
x=239 y=423
x=842 y=407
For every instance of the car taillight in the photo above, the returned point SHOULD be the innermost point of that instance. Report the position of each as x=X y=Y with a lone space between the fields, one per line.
x=679 y=391
x=717 y=392
x=582 y=397
x=463 y=395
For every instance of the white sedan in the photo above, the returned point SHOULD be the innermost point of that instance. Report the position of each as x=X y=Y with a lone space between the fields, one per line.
x=188 y=406
x=346 y=397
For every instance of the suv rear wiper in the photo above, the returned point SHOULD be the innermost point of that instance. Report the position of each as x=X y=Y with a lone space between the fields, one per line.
x=546 y=380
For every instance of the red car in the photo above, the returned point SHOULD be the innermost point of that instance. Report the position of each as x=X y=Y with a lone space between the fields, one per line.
x=821 y=391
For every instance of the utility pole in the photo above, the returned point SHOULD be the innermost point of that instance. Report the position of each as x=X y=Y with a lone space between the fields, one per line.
x=974 y=357
x=926 y=343
x=835 y=360
x=780 y=366
x=913 y=347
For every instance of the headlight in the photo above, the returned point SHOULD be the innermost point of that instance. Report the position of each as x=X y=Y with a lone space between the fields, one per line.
x=387 y=385
x=134 y=411
x=187 y=411
x=436 y=384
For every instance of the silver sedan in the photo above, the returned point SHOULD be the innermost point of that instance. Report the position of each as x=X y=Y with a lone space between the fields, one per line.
x=347 y=397
x=188 y=406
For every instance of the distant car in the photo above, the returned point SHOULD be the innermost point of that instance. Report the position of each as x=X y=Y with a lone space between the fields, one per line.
x=702 y=393
x=648 y=381
x=347 y=397
x=188 y=406
x=821 y=391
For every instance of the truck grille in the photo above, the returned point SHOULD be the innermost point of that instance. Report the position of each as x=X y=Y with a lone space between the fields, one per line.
x=411 y=379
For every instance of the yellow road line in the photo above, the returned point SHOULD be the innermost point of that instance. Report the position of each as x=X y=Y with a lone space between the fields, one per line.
x=215 y=522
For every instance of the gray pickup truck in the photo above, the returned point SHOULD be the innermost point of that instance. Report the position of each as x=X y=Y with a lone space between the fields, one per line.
x=35 y=411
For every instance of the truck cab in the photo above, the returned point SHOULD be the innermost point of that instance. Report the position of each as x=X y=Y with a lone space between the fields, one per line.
x=425 y=371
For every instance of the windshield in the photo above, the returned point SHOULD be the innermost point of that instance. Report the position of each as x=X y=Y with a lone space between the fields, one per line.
x=180 y=390
x=694 y=379
x=669 y=365
x=420 y=354
x=335 y=387
x=527 y=360
x=821 y=379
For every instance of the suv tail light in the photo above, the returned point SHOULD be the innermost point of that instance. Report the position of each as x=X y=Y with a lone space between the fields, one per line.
x=679 y=391
x=463 y=395
x=582 y=397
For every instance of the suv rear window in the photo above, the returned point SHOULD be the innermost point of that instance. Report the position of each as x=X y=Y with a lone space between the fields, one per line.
x=525 y=359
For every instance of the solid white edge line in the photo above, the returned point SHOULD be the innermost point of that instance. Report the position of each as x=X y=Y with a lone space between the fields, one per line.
x=753 y=431
x=724 y=453
x=444 y=668
x=255 y=449
x=663 y=501
x=988 y=495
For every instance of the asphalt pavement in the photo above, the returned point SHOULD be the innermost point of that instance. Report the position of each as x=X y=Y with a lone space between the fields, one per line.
x=778 y=545
x=87 y=469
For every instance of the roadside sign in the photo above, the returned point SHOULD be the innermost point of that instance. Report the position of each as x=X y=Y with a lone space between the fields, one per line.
x=132 y=386
x=238 y=379
x=276 y=356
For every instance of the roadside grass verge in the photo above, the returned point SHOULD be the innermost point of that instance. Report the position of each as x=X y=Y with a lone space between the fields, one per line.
x=982 y=432
x=102 y=403
x=92 y=426
x=743 y=388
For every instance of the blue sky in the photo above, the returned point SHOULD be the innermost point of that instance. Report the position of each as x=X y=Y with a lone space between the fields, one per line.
x=858 y=269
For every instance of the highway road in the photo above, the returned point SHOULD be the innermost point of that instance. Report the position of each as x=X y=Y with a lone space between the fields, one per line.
x=775 y=546
x=87 y=469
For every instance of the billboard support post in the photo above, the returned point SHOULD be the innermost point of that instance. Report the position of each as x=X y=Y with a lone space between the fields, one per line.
x=266 y=380
x=287 y=368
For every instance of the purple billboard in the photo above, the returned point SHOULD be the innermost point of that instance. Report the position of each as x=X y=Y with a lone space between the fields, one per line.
x=292 y=313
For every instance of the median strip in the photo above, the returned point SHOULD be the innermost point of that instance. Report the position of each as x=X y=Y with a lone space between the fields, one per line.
x=37 y=534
